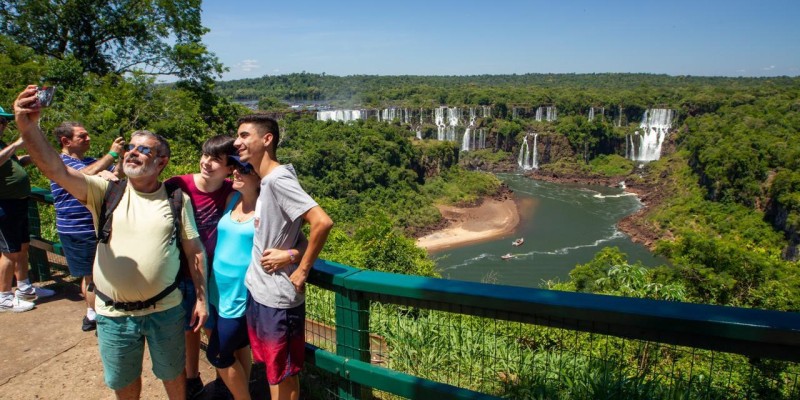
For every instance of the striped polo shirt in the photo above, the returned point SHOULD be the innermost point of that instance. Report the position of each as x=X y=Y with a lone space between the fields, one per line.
x=72 y=218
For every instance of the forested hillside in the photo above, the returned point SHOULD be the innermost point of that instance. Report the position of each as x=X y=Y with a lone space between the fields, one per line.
x=730 y=215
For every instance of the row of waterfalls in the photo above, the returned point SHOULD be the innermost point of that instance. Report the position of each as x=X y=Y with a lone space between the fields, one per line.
x=411 y=116
x=643 y=145
x=452 y=123
x=459 y=124
x=543 y=113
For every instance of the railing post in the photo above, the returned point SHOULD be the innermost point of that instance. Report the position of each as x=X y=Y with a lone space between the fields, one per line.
x=352 y=336
x=37 y=257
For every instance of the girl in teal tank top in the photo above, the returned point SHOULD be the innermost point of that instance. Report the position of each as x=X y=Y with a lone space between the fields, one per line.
x=228 y=347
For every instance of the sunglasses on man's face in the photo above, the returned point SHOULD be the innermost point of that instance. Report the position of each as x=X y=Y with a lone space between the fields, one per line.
x=140 y=148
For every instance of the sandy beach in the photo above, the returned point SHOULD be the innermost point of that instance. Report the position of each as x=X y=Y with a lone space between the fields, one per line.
x=492 y=219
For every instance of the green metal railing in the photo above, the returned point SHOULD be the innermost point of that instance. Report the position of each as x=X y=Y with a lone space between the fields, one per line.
x=380 y=335
x=645 y=348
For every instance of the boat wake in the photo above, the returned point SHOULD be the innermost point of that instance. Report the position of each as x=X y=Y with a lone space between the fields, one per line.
x=531 y=254
x=473 y=260
x=613 y=196
x=566 y=250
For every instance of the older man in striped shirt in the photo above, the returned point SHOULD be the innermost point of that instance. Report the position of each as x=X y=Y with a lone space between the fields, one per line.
x=73 y=220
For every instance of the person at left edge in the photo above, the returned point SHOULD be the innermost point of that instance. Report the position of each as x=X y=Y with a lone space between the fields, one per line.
x=137 y=264
x=15 y=187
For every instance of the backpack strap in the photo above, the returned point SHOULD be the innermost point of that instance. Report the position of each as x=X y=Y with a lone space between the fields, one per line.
x=111 y=199
x=175 y=197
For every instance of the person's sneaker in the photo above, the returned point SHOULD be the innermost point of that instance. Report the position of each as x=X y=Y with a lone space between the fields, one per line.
x=15 y=304
x=33 y=293
x=88 y=324
x=194 y=387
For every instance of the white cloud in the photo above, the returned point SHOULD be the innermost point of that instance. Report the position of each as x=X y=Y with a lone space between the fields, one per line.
x=771 y=67
x=248 y=65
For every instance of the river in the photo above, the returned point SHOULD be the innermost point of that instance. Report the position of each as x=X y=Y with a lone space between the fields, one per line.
x=563 y=225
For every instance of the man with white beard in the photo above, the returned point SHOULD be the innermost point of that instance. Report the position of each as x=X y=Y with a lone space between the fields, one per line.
x=137 y=262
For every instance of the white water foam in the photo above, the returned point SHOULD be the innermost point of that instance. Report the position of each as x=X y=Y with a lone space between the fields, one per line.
x=613 y=196
x=472 y=260
x=565 y=250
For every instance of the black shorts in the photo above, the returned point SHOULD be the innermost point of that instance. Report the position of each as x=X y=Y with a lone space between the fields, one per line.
x=13 y=225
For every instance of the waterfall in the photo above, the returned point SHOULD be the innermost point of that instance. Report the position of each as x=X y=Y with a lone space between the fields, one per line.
x=523 y=152
x=591 y=113
x=439 y=121
x=630 y=147
x=551 y=113
x=539 y=114
x=655 y=126
x=339 y=115
x=528 y=159
x=468 y=140
x=453 y=116
x=487 y=111
x=389 y=114
x=465 y=140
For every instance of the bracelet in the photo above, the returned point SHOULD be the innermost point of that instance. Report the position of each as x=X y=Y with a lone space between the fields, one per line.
x=291 y=255
x=113 y=155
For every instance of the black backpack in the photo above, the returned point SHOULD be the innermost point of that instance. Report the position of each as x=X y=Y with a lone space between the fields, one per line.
x=113 y=196
x=111 y=200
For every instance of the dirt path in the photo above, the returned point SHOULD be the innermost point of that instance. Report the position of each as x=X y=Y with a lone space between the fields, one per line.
x=46 y=355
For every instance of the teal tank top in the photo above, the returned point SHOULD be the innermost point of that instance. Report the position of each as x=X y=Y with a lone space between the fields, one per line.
x=226 y=290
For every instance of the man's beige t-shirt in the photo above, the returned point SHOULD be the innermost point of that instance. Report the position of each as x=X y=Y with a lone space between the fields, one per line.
x=138 y=262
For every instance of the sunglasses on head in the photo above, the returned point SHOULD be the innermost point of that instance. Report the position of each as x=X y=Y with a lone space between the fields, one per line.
x=244 y=169
x=140 y=148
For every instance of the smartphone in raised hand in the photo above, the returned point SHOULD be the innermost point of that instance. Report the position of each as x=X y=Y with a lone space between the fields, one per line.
x=44 y=96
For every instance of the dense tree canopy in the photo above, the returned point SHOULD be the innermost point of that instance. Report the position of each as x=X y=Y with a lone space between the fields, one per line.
x=159 y=37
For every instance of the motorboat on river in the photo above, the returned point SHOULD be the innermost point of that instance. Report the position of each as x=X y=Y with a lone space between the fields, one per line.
x=507 y=256
x=518 y=242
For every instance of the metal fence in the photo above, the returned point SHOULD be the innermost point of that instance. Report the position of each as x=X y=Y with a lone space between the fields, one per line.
x=382 y=335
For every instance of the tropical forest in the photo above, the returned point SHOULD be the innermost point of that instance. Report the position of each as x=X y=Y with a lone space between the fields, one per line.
x=720 y=197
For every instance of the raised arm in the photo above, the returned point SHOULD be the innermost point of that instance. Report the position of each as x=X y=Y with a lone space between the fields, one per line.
x=42 y=154
x=321 y=225
x=8 y=151
x=107 y=160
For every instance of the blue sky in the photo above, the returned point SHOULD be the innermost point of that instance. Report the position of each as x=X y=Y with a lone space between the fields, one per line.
x=441 y=37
